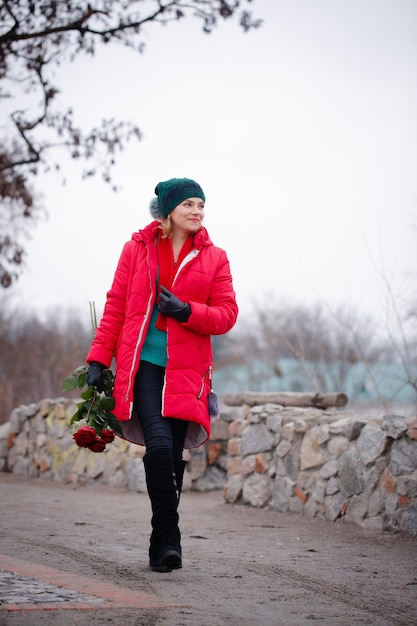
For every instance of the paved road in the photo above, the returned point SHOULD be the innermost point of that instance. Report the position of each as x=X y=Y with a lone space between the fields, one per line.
x=78 y=556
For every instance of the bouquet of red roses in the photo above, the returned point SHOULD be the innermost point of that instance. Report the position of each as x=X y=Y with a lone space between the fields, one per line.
x=97 y=424
x=87 y=437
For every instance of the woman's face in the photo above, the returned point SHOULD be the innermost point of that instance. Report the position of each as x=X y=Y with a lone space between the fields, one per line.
x=187 y=217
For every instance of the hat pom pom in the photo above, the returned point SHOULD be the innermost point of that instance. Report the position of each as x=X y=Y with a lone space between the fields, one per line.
x=154 y=208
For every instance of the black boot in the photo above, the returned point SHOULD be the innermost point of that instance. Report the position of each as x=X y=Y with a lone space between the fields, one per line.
x=179 y=468
x=165 y=546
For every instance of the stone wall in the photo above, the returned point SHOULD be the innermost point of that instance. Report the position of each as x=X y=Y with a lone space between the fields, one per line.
x=330 y=464
x=37 y=441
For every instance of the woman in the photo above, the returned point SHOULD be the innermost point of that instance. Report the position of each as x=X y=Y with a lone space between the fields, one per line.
x=172 y=289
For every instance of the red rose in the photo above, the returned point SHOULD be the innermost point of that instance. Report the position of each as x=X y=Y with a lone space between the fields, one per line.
x=107 y=435
x=85 y=436
x=98 y=445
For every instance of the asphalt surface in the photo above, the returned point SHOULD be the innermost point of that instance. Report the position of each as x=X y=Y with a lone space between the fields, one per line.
x=78 y=556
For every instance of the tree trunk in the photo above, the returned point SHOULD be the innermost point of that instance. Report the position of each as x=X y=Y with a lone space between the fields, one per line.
x=287 y=398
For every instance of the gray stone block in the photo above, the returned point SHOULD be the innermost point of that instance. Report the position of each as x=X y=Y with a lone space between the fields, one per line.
x=403 y=456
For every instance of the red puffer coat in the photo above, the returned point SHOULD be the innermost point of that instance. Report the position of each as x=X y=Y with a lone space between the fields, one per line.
x=204 y=281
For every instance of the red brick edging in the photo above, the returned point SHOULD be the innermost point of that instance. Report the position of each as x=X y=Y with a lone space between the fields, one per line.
x=112 y=596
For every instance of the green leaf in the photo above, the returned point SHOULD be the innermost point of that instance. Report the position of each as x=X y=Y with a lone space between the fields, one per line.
x=107 y=403
x=88 y=393
x=75 y=418
x=82 y=411
x=70 y=383
x=98 y=422
x=115 y=424
x=82 y=379
x=108 y=381
x=77 y=379
x=101 y=418
x=95 y=408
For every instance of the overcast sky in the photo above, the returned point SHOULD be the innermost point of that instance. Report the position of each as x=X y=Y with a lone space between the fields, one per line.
x=302 y=134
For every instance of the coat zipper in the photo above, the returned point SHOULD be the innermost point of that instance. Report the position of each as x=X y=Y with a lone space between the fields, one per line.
x=190 y=256
x=209 y=374
x=140 y=335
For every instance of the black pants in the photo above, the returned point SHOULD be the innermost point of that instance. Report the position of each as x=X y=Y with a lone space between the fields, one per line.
x=160 y=432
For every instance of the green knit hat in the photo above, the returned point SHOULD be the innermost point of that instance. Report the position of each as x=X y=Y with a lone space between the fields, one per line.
x=171 y=193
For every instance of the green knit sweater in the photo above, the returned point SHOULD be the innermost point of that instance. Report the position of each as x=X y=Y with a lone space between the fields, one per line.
x=154 y=348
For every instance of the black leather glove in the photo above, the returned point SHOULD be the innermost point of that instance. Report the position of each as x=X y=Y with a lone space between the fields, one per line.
x=171 y=306
x=95 y=375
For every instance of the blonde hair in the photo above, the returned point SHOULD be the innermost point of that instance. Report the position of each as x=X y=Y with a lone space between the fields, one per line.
x=166 y=227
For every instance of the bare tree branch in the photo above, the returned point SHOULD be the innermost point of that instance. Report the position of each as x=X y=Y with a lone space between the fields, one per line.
x=35 y=39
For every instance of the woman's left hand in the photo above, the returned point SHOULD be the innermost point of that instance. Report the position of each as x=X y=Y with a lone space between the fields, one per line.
x=171 y=306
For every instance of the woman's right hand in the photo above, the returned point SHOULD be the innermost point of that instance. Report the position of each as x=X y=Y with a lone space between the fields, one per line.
x=95 y=375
